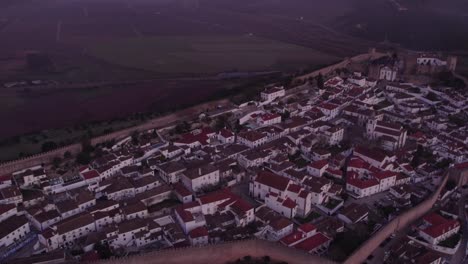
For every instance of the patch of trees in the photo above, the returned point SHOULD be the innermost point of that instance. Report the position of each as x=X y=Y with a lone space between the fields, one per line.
x=450 y=185
x=443 y=164
x=320 y=81
x=85 y=156
x=422 y=155
x=285 y=115
x=341 y=247
x=48 y=146
x=448 y=79
x=103 y=250
x=182 y=127
x=221 y=122
x=458 y=120
x=432 y=96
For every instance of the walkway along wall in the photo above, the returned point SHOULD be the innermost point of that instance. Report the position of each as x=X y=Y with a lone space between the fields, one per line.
x=222 y=253
x=395 y=225
x=163 y=121
x=371 y=55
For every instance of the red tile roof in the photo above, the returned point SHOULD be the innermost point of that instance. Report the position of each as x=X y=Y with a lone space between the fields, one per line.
x=185 y=215
x=334 y=172
x=461 y=166
x=267 y=117
x=289 y=203
x=312 y=242
x=217 y=196
x=370 y=153
x=381 y=175
x=226 y=133
x=328 y=106
x=280 y=223
x=190 y=138
x=83 y=168
x=252 y=135
x=6 y=177
x=242 y=206
x=440 y=225
x=90 y=174
x=292 y=238
x=358 y=163
x=6 y=207
x=307 y=227
x=198 y=232
x=362 y=183
x=182 y=190
x=319 y=164
x=434 y=219
x=294 y=188
x=272 y=180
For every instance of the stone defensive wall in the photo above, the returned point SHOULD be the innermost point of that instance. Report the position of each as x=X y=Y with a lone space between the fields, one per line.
x=47 y=157
x=395 y=225
x=38 y=159
x=222 y=253
x=159 y=122
x=231 y=251
x=371 y=55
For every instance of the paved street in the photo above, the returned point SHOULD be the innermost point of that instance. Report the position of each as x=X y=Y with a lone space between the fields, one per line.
x=379 y=253
x=461 y=252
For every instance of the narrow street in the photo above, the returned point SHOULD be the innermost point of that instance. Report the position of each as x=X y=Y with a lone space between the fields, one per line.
x=459 y=256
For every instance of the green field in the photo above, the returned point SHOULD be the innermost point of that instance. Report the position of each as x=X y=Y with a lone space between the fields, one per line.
x=208 y=54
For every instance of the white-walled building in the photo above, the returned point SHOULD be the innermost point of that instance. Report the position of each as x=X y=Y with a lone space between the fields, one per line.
x=226 y=136
x=437 y=228
x=268 y=119
x=266 y=183
x=272 y=93
x=392 y=136
x=14 y=229
x=252 y=139
x=329 y=109
x=198 y=236
x=7 y=210
x=317 y=168
x=388 y=73
x=286 y=207
x=198 y=178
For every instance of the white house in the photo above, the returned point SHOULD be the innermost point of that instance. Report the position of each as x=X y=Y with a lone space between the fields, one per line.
x=437 y=228
x=226 y=136
x=266 y=183
x=14 y=229
x=393 y=136
x=198 y=236
x=7 y=210
x=354 y=213
x=198 y=178
x=329 y=109
x=272 y=93
x=388 y=73
x=252 y=139
x=170 y=171
x=317 y=168
x=268 y=119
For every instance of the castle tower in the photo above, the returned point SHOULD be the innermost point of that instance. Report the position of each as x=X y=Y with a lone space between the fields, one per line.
x=451 y=63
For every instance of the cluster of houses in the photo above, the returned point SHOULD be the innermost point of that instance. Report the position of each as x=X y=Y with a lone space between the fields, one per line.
x=295 y=156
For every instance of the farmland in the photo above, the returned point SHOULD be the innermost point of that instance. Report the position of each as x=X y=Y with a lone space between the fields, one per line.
x=163 y=46
x=210 y=54
x=149 y=52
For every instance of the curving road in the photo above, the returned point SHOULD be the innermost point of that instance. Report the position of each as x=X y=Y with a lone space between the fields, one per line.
x=459 y=256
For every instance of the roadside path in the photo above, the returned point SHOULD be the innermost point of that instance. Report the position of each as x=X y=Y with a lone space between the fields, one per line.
x=461 y=252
